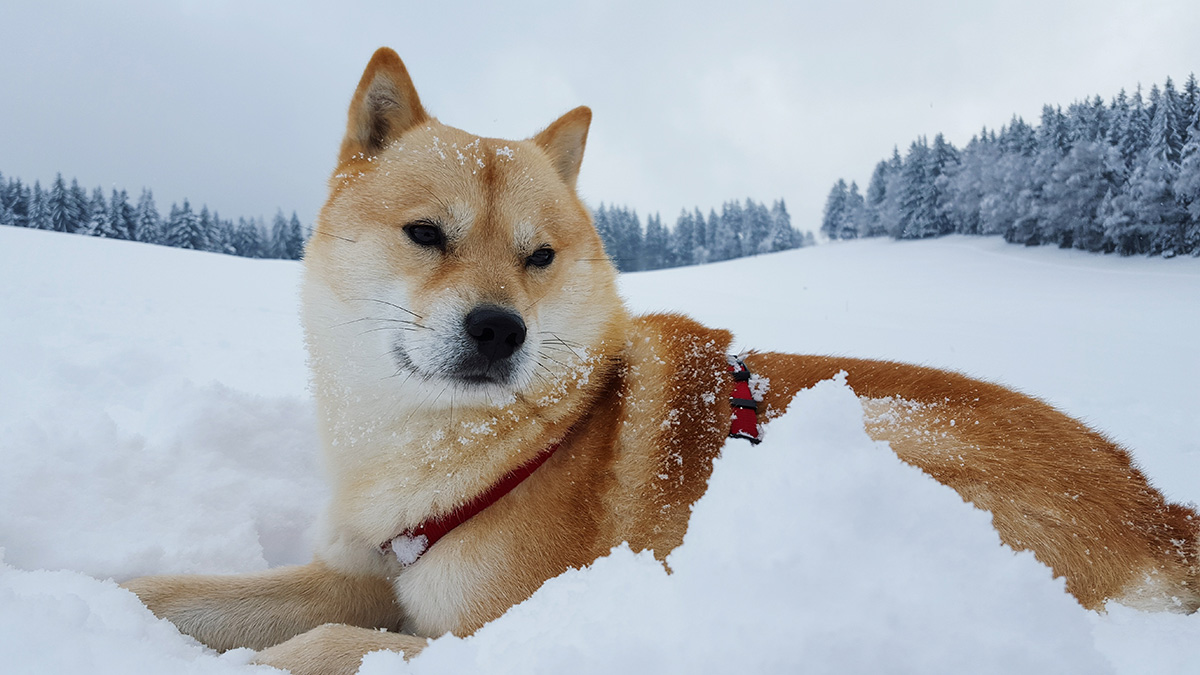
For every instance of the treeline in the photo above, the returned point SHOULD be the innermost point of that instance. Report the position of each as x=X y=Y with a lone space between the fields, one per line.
x=69 y=208
x=1120 y=177
x=741 y=229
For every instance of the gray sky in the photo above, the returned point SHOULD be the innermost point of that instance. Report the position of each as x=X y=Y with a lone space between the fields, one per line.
x=241 y=105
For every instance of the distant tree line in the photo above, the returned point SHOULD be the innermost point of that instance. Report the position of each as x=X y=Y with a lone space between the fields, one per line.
x=740 y=229
x=69 y=208
x=1122 y=177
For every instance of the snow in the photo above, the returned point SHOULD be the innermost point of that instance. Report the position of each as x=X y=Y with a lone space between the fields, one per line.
x=154 y=419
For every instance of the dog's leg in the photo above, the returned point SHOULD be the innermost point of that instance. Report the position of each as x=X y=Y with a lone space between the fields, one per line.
x=335 y=649
x=265 y=608
x=1053 y=485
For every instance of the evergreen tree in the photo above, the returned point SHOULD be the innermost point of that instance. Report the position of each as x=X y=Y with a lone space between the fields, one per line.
x=1072 y=196
x=629 y=240
x=656 y=245
x=59 y=208
x=20 y=199
x=279 y=236
x=1160 y=222
x=39 y=209
x=781 y=236
x=874 y=200
x=147 y=223
x=1190 y=99
x=295 y=238
x=757 y=228
x=183 y=229
x=918 y=203
x=7 y=199
x=681 y=240
x=121 y=215
x=1187 y=185
x=246 y=239
x=853 y=215
x=727 y=239
x=98 y=224
x=835 y=209
x=79 y=207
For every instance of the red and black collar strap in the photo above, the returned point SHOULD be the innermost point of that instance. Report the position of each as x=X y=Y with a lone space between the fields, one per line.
x=412 y=543
x=744 y=423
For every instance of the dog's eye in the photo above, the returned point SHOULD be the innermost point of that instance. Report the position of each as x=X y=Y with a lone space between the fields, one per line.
x=541 y=257
x=426 y=234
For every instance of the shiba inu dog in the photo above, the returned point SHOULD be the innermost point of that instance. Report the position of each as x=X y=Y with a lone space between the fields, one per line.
x=492 y=415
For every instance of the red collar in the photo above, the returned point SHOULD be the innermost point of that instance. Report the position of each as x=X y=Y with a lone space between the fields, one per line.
x=412 y=543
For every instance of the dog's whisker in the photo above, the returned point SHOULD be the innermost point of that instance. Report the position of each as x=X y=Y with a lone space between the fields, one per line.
x=392 y=304
x=335 y=236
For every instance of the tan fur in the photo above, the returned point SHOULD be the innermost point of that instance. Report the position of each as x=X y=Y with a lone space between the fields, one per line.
x=640 y=407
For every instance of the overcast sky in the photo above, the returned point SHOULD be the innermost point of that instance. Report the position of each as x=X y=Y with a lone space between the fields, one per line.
x=241 y=105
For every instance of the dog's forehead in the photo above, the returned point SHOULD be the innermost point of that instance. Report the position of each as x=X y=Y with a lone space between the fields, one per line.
x=473 y=182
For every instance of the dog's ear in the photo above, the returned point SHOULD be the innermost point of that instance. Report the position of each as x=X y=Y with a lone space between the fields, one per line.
x=384 y=106
x=564 y=140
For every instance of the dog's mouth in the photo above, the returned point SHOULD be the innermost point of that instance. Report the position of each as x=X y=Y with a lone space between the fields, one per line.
x=470 y=370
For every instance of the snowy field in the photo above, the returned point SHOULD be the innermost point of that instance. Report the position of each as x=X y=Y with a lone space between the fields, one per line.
x=154 y=418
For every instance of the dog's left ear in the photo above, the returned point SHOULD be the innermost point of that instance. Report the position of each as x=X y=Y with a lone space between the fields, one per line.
x=564 y=140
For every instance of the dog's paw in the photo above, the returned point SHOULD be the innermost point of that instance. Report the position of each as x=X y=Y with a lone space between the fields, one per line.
x=335 y=649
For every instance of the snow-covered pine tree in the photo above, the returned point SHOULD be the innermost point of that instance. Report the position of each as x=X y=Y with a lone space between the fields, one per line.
x=79 y=206
x=630 y=241
x=854 y=214
x=1169 y=122
x=781 y=236
x=726 y=241
x=656 y=248
x=916 y=194
x=944 y=160
x=245 y=239
x=964 y=188
x=1071 y=197
x=121 y=215
x=1160 y=222
x=835 y=207
x=295 y=238
x=605 y=228
x=59 y=208
x=279 y=246
x=680 y=240
x=183 y=229
x=98 y=224
x=8 y=215
x=873 y=201
x=39 y=208
x=757 y=227
x=1187 y=186
x=147 y=223
x=1190 y=100
x=22 y=198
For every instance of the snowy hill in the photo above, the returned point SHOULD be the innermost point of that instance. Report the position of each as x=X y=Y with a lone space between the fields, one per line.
x=154 y=418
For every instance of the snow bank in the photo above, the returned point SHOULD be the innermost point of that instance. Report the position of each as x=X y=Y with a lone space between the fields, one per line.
x=153 y=419
x=817 y=551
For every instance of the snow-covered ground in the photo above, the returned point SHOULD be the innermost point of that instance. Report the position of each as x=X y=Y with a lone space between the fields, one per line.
x=154 y=418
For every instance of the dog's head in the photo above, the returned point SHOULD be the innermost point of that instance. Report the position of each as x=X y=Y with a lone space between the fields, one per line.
x=445 y=260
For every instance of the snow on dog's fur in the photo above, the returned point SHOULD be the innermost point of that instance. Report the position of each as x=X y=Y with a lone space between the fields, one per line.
x=462 y=317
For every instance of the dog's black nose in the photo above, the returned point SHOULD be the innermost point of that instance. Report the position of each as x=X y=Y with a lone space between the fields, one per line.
x=497 y=332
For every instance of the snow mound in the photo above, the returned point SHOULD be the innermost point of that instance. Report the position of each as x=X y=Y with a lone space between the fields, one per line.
x=153 y=419
x=817 y=551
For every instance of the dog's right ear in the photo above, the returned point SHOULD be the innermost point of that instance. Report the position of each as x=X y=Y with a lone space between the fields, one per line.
x=384 y=106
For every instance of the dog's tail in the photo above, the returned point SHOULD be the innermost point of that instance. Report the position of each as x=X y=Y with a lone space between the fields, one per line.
x=1053 y=485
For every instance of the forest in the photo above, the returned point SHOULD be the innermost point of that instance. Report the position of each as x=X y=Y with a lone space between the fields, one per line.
x=1120 y=177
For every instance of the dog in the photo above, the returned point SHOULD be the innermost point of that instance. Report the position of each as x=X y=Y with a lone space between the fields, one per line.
x=492 y=415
